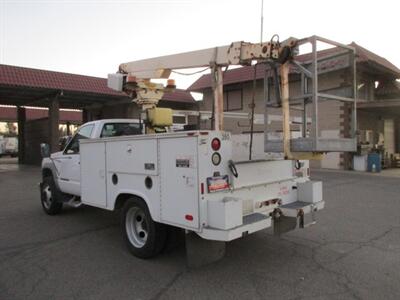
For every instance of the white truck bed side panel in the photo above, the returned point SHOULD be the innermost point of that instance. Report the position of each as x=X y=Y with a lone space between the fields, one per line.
x=262 y=172
x=179 y=181
x=132 y=156
x=134 y=184
x=241 y=145
x=132 y=161
x=93 y=174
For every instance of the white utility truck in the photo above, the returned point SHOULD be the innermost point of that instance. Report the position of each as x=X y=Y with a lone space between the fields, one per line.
x=9 y=146
x=194 y=180
x=185 y=179
x=2 y=144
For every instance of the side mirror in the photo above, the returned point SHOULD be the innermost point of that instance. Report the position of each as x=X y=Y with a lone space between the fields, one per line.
x=45 y=150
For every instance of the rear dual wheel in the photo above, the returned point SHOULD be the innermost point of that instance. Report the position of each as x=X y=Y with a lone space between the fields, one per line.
x=144 y=237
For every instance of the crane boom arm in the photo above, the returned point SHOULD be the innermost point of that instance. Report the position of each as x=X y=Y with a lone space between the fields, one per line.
x=238 y=53
x=160 y=67
x=134 y=78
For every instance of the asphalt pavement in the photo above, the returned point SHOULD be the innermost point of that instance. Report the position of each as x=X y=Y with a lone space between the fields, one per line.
x=352 y=253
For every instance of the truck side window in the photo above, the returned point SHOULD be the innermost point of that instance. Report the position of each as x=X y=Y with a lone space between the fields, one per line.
x=119 y=129
x=83 y=133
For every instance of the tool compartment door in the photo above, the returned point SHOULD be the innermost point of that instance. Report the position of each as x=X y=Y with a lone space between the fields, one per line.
x=179 y=181
x=93 y=174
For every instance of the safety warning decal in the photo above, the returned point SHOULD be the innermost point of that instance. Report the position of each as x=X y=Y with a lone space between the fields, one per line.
x=184 y=162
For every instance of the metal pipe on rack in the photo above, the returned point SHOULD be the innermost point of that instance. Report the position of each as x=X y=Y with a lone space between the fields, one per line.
x=284 y=72
x=218 y=97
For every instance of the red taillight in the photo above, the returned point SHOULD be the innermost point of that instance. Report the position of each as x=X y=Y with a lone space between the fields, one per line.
x=215 y=144
x=270 y=202
x=202 y=188
x=189 y=217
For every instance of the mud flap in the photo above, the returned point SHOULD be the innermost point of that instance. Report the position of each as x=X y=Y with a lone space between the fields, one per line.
x=284 y=224
x=201 y=252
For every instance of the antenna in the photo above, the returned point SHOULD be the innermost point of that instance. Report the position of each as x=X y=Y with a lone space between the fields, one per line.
x=262 y=21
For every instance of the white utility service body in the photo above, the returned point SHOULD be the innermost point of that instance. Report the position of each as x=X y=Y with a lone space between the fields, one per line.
x=175 y=176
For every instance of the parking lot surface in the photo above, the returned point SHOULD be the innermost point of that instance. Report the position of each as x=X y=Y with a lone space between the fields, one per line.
x=352 y=253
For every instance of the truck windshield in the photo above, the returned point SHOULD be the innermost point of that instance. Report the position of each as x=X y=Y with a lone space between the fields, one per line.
x=119 y=129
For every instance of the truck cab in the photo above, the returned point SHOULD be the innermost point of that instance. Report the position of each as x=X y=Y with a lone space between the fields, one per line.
x=65 y=164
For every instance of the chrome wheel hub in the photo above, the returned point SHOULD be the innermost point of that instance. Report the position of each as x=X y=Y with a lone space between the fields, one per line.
x=47 y=197
x=136 y=227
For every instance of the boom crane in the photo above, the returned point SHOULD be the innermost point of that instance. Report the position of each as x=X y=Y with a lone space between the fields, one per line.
x=134 y=78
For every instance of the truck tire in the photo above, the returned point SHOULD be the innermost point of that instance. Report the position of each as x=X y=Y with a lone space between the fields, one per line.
x=144 y=237
x=49 y=195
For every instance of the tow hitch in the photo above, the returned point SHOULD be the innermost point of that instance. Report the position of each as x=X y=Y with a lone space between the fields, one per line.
x=300 y=217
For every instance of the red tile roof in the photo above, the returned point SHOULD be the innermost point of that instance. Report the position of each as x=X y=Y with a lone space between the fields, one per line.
x=36 y=78
x=365 y=55
x=179 y=95
x=246 y=73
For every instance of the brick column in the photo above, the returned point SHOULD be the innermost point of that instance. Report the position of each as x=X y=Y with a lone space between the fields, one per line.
x=345 y=129
x=21 y=114
x=68 y=128
x=85 y=116
x=54 y=121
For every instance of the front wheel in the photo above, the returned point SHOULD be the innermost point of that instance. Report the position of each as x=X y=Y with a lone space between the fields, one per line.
x=48 y=192
x=144 y=237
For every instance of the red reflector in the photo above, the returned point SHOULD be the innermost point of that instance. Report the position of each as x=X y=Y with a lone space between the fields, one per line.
x=189 y=217
x=215 y=144
x=202 y=188
x=131 y=78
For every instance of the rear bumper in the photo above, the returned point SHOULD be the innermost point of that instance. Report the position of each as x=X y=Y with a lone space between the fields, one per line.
x=9 y=153
x=257 y=221
x=251 y=223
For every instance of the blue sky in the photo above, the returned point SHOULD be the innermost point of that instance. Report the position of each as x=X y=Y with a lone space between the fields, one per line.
x=94 y=37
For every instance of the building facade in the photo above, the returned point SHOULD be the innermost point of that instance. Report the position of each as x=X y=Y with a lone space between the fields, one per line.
x=378 y=98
